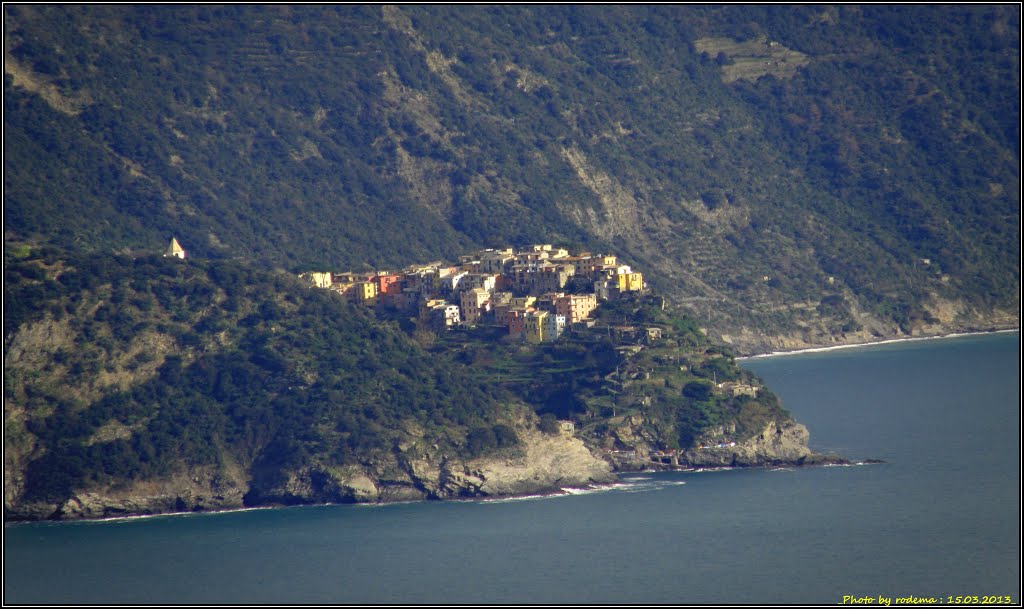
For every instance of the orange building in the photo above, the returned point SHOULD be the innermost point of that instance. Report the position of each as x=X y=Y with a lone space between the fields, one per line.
x=517 y=321
x=388 y=283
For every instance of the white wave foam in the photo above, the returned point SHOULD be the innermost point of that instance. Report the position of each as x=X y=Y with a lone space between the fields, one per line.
x=635 y=485
x=120 y=519
x=494 y=500
x=656 y=486
x=375 y=504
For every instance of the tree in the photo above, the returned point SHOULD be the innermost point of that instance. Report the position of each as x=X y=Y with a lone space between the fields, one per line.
x=505 y=435
x=698 y=390
x=548 y=424
x=481 y=440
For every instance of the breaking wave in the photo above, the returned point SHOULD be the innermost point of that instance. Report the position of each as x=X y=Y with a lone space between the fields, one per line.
x=642 y=484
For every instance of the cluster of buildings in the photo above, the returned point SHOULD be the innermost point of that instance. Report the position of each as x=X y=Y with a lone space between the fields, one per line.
x=535 y=292
x=735 y=388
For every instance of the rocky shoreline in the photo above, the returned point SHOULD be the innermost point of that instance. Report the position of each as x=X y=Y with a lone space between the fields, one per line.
x=748 y=347
x=882 y=341
x=91 y=506
x=780 y=444
x=543 y=465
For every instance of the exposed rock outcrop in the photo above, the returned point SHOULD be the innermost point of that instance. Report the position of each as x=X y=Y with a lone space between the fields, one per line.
x=778 y=444
x=198 y=490
x=549 y=462
x=541 y=463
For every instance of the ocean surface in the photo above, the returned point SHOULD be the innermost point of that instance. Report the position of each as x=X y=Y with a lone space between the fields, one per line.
x=941 y=517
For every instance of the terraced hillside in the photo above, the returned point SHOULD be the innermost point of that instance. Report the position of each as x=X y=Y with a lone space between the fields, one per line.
x=795 y=175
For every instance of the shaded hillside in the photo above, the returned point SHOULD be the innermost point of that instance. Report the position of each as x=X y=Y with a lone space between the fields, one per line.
x=117 y=370
x=793 y=175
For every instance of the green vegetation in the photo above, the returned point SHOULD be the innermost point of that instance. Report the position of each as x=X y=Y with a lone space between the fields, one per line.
x=637 y=359
x=122 y=369
x=801 y=171
x=202 y=361
x=742 y=156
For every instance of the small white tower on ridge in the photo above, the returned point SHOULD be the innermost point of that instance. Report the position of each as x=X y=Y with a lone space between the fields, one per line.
x=175 y=249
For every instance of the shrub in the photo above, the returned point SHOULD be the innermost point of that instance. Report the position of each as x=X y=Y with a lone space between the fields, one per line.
x=548 y=424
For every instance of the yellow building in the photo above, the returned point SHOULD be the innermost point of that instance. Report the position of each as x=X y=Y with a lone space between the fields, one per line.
x=535 y=322
x=365 y=292
x=523 y=301
x=631 y=282
x=475 y=303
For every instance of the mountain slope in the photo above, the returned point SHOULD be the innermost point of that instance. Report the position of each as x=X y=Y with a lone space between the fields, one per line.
x=136 y=385
x=794 y=175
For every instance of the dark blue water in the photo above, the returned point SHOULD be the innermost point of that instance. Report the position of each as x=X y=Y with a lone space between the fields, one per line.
x=940 y=517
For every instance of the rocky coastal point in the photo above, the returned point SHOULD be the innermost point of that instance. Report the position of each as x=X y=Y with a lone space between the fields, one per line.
x=543 y=464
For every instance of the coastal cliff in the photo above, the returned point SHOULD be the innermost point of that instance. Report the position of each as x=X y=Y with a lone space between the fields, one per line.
x=836 y=202
x=542 y=463
x=949 y=319
x=777 y=443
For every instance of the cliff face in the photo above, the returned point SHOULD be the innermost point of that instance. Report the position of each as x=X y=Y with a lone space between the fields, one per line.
x=778 y=444
x=197 y=490
x=133 y=387
x=550 y=462
x=782 y=442
x=542 y=463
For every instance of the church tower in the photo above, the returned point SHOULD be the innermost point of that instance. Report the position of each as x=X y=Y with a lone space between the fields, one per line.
x=175 y=249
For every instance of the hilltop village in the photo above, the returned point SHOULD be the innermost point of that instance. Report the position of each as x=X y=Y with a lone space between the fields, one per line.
x=533 y=292
x=536 y=293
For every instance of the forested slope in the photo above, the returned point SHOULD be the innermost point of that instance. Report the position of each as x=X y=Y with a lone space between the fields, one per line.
x=794 y=175
x=149 y=384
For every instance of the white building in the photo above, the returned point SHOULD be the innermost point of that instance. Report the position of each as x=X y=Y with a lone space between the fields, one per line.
x=554 y=325
x=175 y=249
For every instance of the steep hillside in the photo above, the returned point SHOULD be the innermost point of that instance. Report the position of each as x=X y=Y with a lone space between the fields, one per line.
x=793 y=175
x=121 y=372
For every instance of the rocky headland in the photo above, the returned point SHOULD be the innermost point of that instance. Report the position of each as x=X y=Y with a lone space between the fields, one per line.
x=778 y=444
x=541 y=464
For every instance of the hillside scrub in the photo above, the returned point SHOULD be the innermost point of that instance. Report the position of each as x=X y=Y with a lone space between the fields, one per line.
x=877 y=163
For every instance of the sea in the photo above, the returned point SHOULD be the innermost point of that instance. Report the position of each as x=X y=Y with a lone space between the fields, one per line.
x=938 y=520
